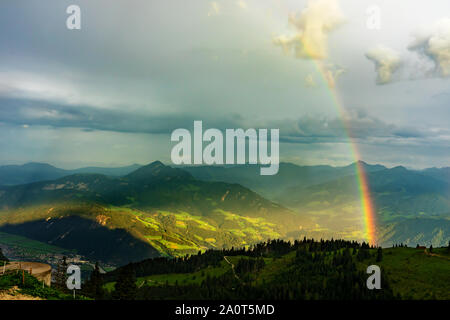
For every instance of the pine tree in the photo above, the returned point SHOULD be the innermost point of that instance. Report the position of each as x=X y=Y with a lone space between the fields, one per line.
x=379 y=254
x=2 y=257
x=125 y=287
x=94 y=287
x=61 y=275
x=431 y=248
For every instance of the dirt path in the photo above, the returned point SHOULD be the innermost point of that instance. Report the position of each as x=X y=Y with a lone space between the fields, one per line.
x=232 y=268
x=436 y=255
x=13 y=294
x=140 y=285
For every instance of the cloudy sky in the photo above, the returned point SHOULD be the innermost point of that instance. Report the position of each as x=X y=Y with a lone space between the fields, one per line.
x=112 y=92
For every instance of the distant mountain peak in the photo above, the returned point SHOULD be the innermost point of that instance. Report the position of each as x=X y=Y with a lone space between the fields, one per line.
x=37 y=165
x=155 y=164
x=367 y=166
x=353 y=164
x=399 y=168
x=156 y=171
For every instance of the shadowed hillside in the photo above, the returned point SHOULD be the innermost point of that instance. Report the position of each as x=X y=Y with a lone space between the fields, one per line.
x=87 y=237
x=165 y=208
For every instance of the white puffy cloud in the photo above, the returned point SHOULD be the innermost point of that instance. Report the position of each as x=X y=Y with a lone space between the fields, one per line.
x=312 y=27
x=434 y=43
x=214 y=9
x=387 y=62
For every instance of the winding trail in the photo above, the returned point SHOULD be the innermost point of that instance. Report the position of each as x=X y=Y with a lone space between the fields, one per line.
x=232 y=268
x=427 y=252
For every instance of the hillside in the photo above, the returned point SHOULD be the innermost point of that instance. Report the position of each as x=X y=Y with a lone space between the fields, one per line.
x=15 y=286
x=412 y=231
x=400 y=198
x=161 y=210
x=303 y=270
x=438 y=173
x=404 y=192
x=289 y=175
x=155 y=210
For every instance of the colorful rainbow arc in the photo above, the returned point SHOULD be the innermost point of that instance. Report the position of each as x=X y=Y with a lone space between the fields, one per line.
x=361 y=176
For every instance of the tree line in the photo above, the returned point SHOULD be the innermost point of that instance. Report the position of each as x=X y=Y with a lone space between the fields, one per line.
x=324 y=269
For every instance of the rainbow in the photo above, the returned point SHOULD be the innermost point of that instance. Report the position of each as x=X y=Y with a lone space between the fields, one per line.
x=367 y=207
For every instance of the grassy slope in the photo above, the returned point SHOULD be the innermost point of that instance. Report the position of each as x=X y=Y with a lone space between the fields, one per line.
x=416 y=275
x=176 y=233
x=11 y=284
x=412 y=273
x=180 y=278
x=171 y=232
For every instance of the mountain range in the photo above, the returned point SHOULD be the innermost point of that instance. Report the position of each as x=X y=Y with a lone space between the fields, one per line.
x=329 y=196
x=157 y=209
x=33 y=172
x=127 y=214
x=289 y=175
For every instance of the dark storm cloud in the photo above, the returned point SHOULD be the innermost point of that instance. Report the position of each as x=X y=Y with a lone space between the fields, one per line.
x=307 y=130
x=32 y=112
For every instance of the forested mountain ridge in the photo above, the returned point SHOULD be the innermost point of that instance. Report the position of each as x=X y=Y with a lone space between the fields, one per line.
x=159 y=210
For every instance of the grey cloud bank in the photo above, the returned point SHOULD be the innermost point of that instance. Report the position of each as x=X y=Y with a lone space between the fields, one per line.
x=134 y=73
